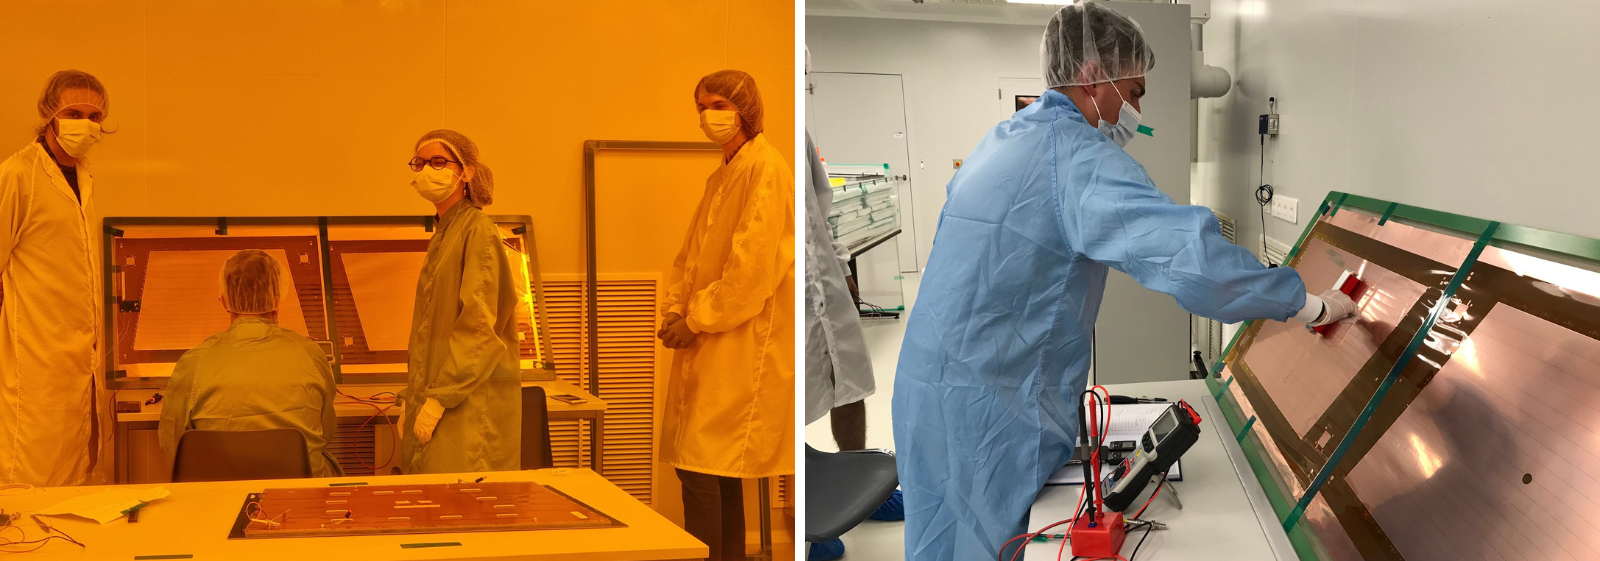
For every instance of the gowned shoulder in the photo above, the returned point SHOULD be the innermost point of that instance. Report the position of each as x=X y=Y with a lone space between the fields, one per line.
x=19 y=166
x=197 y=354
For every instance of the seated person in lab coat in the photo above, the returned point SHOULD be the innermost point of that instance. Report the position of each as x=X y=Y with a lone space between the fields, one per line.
x=255 y=375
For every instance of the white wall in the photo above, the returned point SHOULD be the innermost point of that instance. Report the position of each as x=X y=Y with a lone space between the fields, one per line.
x=951 y=71
x=1478 y=107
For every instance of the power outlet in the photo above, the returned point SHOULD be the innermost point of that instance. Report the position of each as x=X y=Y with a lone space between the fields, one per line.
x=1286 y=209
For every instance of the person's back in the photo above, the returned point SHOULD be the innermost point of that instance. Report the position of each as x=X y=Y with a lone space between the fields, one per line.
x=254 y=376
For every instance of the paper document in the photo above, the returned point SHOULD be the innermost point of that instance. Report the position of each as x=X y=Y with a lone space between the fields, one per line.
x=1073 y=475
x=106 y=505
x=1128 y=422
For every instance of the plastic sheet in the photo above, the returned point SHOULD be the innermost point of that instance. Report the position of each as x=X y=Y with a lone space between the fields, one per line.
x=382 y=284
x=180 y=308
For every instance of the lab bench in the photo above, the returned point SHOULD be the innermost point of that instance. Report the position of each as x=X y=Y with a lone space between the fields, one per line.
x=138 y=450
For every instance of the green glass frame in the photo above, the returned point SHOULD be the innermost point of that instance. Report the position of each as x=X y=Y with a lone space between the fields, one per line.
x=1487 y=233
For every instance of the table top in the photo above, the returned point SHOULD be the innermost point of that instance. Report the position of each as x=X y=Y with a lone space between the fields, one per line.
x=346 y=407
x=1226 y=515
x=196 y=518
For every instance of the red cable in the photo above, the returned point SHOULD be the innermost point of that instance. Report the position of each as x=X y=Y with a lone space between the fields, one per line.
x=380 y=411
x=1025 y=541
x=1077 y=511
x=1152 y=495
x=1095 y=436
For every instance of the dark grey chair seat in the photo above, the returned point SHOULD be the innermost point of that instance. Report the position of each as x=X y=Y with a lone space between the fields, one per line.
x=844 y=488
x=235 y=455
x=536 y=453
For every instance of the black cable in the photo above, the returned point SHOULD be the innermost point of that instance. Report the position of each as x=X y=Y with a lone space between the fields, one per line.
x=1147 y=530
x=1263 y=198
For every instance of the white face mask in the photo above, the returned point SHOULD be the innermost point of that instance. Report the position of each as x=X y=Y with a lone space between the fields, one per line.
x=719 y=126
x=77 y=136
x=434 y=184
x=1127 y=122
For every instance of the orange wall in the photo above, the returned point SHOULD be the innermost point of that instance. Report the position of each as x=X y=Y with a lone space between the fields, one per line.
x=311 y=107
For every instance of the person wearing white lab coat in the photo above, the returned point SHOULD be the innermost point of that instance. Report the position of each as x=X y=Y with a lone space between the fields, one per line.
x=52 y=420
x=838 y=368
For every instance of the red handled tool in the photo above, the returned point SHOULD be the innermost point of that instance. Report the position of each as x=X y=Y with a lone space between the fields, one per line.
x=1349 y=285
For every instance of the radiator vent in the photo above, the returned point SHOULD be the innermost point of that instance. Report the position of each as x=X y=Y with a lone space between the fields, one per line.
x=627 y=376
x=354 y=444
x=1227 y=226
x=1275 y=251
x=1206 y=334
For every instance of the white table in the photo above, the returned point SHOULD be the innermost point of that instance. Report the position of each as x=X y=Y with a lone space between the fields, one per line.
x=1225 y=513
x=193 y=523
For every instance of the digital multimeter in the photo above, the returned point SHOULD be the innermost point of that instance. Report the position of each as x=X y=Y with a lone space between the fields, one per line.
x=1162 y=444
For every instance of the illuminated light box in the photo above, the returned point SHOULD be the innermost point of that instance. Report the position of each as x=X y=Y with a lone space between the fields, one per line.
x=372 y=278
x=1458 y=417
x=180 y=308
x=350 y=285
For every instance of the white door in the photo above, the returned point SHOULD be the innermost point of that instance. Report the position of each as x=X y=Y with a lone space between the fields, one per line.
x=861 y=119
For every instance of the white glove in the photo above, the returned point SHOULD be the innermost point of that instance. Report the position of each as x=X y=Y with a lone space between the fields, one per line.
x=1336 y=306
x=427 y=420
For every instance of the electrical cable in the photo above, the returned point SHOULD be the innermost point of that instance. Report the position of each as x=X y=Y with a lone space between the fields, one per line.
x=1147 y=530
x=1152 y=495
x=1264 y=198
x=369 y=401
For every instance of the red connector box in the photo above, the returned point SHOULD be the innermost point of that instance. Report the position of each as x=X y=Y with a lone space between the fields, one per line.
x=1102 y=540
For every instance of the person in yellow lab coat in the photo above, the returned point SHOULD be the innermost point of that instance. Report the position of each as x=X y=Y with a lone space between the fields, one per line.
x=729 y=312
x=52 y=420
x=463 y=403
x=253 y=375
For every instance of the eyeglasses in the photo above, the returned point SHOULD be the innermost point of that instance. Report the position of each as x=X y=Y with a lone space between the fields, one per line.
x=437 y=162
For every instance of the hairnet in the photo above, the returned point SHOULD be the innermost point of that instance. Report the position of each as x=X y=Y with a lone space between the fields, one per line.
x=250 y=283
x=1087 y=43
x=71 y=87
x=480 y=190
x=740 y=89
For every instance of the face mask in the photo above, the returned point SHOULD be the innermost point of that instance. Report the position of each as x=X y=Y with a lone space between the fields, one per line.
x=719 y=126
x=434 y=184
x=1127 y=122
x=77 y=136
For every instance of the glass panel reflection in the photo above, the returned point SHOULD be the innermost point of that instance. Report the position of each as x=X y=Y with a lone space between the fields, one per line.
x=1496 y=458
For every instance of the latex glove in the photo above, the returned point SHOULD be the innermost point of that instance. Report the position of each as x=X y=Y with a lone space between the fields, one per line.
x=428 y=419
x=1336 y=306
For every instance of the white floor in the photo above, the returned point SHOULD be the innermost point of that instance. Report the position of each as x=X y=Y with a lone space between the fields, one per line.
x=873 y=539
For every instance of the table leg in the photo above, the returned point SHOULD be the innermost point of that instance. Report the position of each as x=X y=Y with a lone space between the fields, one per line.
x=120 y=452
x=766 y=518
x=597 y=426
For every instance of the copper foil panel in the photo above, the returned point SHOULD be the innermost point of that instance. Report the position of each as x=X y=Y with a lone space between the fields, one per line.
x=1496 y=458
x=180 y=306
x=1555 y=279
x=1333 y=543
x=418 y=508
x=384 y=287
x=1304 y=372
x=1442 y=248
